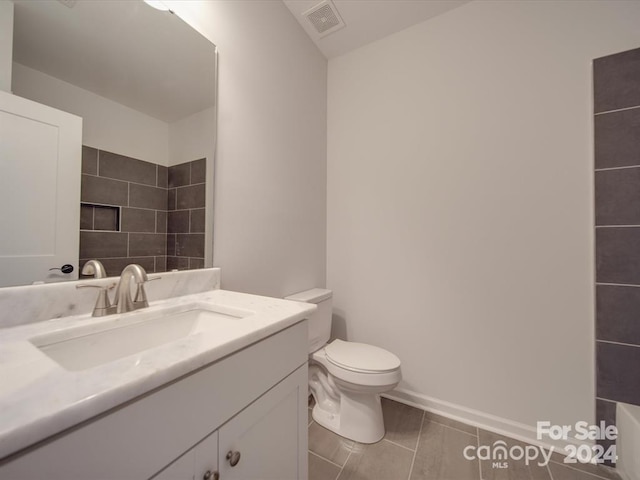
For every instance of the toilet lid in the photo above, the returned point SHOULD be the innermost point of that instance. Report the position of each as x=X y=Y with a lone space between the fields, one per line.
x=361 y=357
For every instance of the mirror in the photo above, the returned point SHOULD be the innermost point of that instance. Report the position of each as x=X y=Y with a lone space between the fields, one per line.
x=144 y=83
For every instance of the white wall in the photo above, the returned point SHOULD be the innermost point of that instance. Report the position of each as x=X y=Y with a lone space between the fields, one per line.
x=107 y=125
x=6 y=44
x=460 y=205
x=270 y=177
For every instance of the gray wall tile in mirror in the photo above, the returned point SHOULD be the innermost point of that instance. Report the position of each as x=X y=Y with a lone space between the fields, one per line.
x=127 y=216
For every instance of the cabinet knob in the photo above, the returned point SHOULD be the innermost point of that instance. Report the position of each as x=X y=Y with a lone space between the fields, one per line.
x=233 y=457
x=211 y=475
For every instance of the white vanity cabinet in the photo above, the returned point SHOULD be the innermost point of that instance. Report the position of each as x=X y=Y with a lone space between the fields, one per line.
x=200 y=463
x=253 y=401
x=261 y=442
x=272 y=420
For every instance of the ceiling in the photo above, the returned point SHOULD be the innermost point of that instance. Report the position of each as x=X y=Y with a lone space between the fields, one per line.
x=125 y=51
x=368 y=20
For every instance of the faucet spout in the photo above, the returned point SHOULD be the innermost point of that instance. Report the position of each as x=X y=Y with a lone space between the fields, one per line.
x=95 y=268
x=123 y=301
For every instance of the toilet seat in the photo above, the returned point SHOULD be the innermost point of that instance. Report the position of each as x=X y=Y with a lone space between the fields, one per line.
x=349 y=375
x=360 y=357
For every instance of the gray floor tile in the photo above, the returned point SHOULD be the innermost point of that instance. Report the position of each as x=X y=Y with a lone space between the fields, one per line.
x=320 y=469
x=402 y=423
x=440 y=454
x=573 y=472
x=450 y=423
x=597 y=470
x=516 y=469
x=329 y=445
x=382 y=460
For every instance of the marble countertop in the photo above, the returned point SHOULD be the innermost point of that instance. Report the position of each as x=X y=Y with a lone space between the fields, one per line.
x=39 y=398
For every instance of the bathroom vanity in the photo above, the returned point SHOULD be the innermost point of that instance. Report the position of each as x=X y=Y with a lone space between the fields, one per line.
x=222 y=393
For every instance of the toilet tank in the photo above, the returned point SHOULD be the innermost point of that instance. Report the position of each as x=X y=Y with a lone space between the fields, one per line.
x=320 y=320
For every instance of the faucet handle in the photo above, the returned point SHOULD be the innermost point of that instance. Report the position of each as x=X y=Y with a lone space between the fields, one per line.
x=140 y=300
x=103 y=304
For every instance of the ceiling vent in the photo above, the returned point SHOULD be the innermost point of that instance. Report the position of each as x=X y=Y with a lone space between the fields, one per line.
x=325 y=18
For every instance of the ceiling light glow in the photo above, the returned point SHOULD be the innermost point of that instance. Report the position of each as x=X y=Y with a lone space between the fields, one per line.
x=157 y=4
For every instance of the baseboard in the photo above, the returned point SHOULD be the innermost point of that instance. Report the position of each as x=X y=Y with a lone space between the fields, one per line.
x=486 y=421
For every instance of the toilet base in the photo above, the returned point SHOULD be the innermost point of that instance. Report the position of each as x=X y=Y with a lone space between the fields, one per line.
x=358 y=417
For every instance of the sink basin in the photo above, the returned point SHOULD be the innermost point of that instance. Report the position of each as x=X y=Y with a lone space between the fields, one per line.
x=87 y=347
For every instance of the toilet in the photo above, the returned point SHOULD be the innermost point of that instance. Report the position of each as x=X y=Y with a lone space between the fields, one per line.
x=346 y=378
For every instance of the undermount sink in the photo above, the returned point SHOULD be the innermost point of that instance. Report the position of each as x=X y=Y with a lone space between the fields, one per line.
x=87 y=347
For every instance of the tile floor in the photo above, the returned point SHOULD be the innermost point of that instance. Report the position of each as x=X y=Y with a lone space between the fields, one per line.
x=419 y=446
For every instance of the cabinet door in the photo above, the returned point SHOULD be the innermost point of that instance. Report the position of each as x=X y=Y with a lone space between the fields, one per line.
x=270 y=435
x=199 y=463
x=181 y=469
x=206 y=458
x=40 y=150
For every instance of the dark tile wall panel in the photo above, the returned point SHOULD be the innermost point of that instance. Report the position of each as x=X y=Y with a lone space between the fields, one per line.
x=618 y=255
x=196 y=263
x=606 y=412
x=617 y=372
x=180 y=175
x=190 y=245
x=171 y=199
x=145 y=195
x=178 y=221
x=112 y=165
x=161 y=264
x=177 y=263
x=186 y=217
x=616 y=81
x=89 y=160
x=103 y=190
x=114 y=266
x=142 y=196
x=147 y=244
x=199 y=171
x=161 y=221
x=86 y=217
x=103 y=244
x=617 y=202
x=171 y=244
x=197 y=223
x=163 y=177
x=616 y=139
x=129 y=186
x=618 y=313
x=192 y=196
x=618 y=197
x=138 y=220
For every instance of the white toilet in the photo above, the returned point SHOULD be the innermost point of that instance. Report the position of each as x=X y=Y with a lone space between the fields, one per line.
x=346 y=378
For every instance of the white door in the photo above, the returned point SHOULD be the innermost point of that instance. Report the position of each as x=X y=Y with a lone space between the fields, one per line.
x=40 y=163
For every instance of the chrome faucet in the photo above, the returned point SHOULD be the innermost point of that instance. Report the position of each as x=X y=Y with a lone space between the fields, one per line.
x=95 y=268
x=123 y=301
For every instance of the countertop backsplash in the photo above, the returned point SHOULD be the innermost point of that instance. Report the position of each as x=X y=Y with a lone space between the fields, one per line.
x=34 y=303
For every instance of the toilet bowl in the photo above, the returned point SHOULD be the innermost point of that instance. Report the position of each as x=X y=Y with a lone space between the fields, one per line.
x=346 y=378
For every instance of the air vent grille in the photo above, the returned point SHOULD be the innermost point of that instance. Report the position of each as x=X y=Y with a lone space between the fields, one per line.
x=325 y=18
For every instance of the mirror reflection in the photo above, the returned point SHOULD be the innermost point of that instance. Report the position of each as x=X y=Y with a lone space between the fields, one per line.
x=143 y=82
